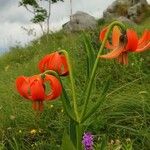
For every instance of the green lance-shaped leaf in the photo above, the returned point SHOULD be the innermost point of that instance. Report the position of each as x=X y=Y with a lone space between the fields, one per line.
x=90 y=53
x=66 y=104
x=98 y=103
x=72 y=131
x=76 y=133
x=67 y=143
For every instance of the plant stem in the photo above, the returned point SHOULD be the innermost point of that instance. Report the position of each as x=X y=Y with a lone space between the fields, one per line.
x=89 y=87
x=67 y=106
x=79 y=136
x=72 y=84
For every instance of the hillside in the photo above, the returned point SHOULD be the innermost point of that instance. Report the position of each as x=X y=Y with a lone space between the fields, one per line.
x=126 y=112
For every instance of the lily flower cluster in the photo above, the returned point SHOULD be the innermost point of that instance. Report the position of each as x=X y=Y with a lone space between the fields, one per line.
x=33 y=88
x=123 y=43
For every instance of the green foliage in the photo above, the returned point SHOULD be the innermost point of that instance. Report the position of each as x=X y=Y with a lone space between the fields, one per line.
x=66 y=143
x=40 y=14
x=34 y=3
x=91 y=54
x=126 y=110
x=55 y=1
x=28 y=2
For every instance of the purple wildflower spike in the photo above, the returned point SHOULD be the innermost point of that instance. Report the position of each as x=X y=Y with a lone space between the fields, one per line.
x=88 y=141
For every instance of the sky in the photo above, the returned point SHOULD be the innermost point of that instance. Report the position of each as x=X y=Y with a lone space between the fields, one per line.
x=14 y=19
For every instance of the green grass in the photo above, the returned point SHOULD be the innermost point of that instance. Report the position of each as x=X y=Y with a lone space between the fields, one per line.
x=126 y=112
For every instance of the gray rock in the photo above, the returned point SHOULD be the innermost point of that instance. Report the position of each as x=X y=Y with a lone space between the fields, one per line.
x=143 y=2
x=135 y=11
x=124 y=2
x=111 y=8
x=80 y=21
x=125 y=20
x=111 y=11
x=131 y=9
x=109 y=16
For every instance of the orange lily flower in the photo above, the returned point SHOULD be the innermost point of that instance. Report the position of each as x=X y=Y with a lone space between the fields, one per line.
x=122 y=44
x=54 y=61
x=144 y=42
x=33 y=88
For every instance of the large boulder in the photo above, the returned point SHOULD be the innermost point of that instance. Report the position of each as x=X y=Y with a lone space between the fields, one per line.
x=109 y=16
x=143 y=2
x=116 y=4
x=131 y=9
x=125 y=20
x=136 y=11
x=80 y=21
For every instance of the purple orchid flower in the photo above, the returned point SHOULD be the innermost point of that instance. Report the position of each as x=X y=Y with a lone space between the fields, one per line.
x=88 y=141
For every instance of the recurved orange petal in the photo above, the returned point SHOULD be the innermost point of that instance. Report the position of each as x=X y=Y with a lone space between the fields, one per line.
x=43 y=63
x=37 y=90
x=103 y=33
x=132 y=40
x=141 y=49
x=113 y=54
x=54 y=61
x=145 y=37
x=102 y=36
x=144 y=42
x=22 y=85
x=56 y=88
x=116 y=36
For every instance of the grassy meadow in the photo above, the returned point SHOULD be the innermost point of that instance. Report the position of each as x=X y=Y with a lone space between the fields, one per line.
x=124 y=118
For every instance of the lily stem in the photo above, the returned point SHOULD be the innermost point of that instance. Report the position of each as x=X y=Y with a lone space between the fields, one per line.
x=89 y=87
x=51 y=72
x=72 y=84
